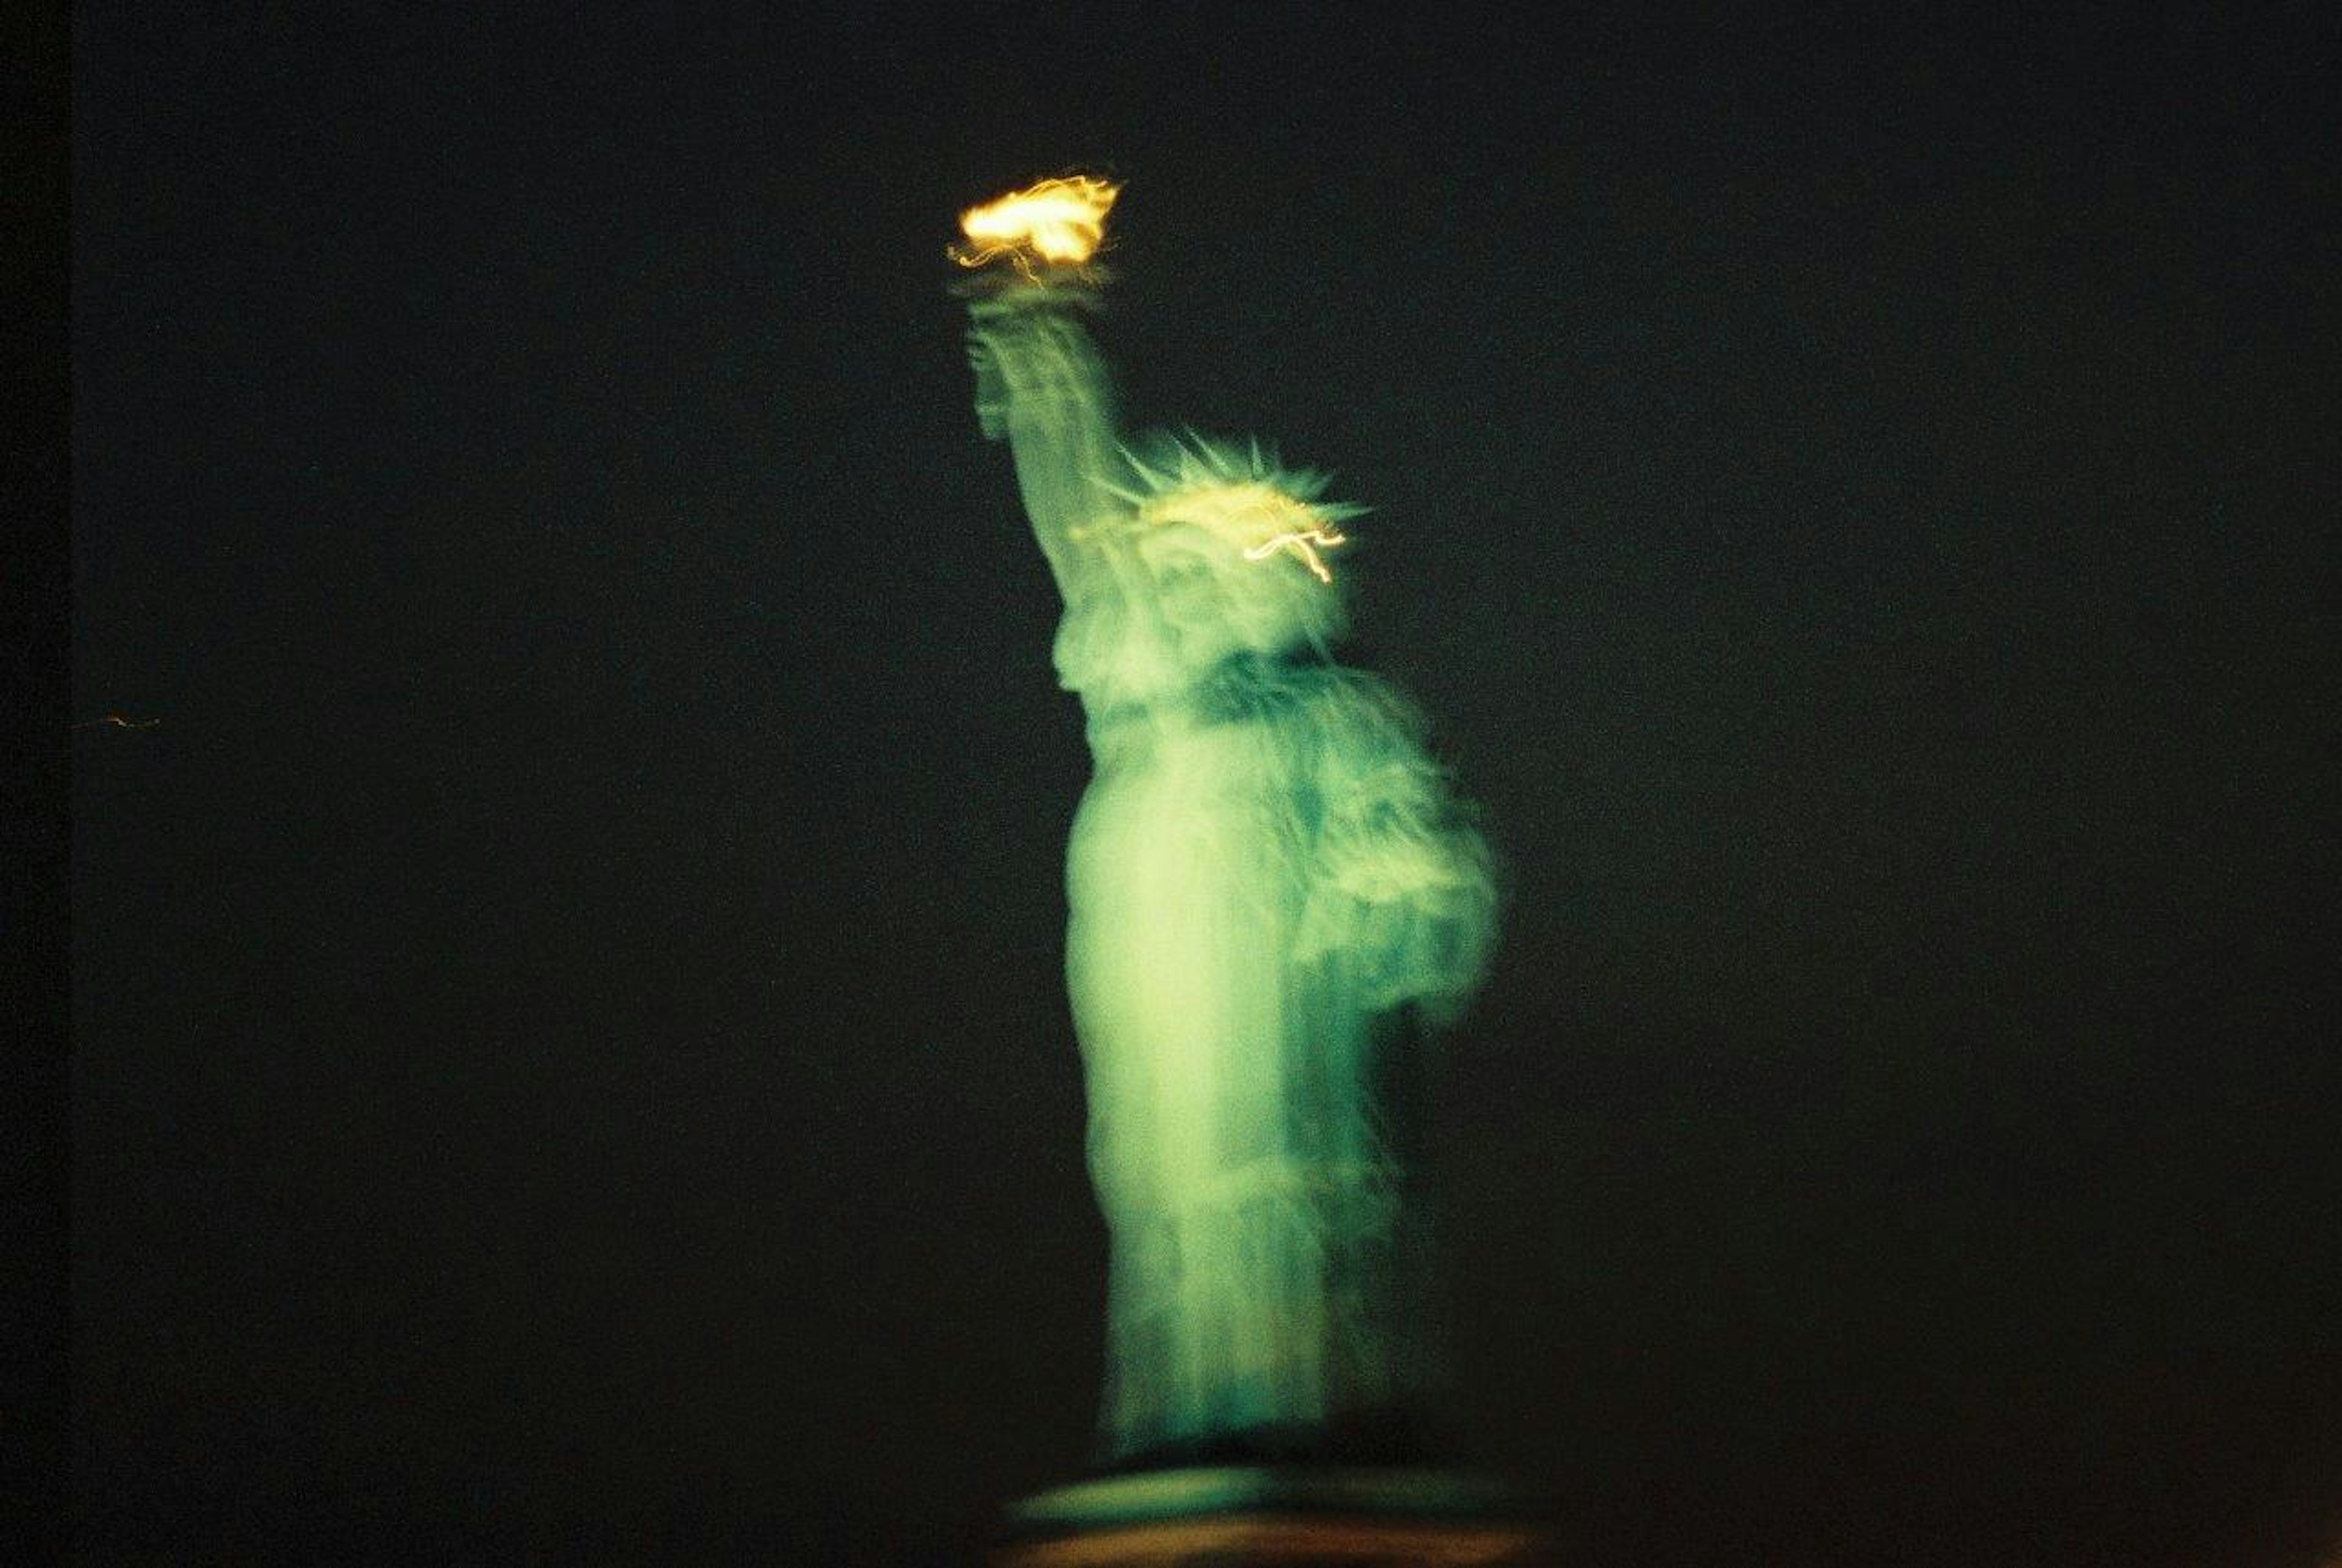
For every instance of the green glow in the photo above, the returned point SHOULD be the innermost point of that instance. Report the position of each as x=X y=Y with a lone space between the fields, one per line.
x=1269 y=886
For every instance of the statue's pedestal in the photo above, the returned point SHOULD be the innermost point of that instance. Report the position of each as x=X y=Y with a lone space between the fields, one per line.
x=1291 y=1516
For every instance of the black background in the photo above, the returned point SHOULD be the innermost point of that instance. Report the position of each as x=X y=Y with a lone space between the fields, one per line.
x=569 y=1050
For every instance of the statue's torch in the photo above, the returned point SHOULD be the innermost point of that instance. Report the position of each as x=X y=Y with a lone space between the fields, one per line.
x=1051 y=227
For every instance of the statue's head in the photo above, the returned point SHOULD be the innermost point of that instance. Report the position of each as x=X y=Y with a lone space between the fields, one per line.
x=1236 y=548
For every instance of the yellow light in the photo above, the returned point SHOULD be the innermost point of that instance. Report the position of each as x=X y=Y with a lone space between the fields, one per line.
x=1059 y=221
x=1300 y=543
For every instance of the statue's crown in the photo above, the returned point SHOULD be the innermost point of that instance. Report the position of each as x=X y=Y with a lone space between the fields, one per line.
x=1241 y=494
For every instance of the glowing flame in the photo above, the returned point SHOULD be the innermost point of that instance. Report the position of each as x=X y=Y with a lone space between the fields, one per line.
x=1300 y=543
x=1060 y=220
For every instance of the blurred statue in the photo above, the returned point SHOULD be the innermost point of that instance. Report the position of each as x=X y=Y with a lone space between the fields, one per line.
x=1272 y=895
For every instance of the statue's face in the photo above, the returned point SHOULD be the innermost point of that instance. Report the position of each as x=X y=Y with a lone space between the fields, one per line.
x=1212 y=600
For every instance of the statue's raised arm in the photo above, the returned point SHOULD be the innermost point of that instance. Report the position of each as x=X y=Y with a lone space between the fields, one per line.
x=1042 y=387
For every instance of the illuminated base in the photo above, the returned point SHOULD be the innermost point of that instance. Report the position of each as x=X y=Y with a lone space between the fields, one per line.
x=1334 y=1518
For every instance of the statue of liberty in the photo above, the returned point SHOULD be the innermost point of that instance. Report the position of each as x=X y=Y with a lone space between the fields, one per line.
x=1273 y=898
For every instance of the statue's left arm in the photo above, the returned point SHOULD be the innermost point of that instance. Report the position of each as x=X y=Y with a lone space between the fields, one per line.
x=1403 y=889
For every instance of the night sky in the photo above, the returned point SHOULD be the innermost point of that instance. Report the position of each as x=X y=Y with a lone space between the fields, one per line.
x=569 y=1053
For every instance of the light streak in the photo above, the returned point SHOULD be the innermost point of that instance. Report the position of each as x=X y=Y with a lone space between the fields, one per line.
x=118 y=722
x=1303 y=544
x=1058 y=221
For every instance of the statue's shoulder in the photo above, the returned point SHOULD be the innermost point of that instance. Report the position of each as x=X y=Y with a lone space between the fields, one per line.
x=1362 y=709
